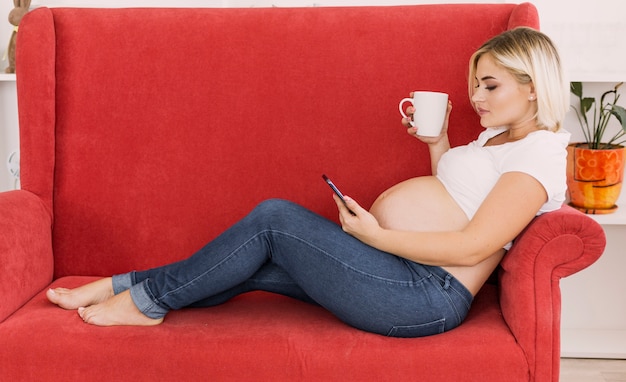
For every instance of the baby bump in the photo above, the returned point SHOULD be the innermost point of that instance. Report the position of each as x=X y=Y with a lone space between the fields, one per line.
x=419 y=204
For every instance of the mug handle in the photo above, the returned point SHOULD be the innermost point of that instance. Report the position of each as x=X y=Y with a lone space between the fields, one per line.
x=402 y=110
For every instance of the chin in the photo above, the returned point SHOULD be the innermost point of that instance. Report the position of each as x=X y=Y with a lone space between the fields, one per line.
x=488 y=125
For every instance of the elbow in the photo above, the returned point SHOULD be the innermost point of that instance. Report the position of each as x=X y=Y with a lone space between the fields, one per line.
x=479 y=258
x=467 y=261
x=472 y=258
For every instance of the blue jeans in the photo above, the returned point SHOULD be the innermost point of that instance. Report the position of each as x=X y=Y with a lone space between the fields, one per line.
x=284 y=248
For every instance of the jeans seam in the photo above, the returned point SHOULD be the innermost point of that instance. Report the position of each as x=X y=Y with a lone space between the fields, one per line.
x=446 y=294
x=467 y=304
x=349 y=267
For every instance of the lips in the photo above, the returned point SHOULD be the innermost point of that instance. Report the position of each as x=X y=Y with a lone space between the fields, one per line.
x=481 y=111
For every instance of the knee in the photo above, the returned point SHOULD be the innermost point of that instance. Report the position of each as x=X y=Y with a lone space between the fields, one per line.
x=271 y=207
x=275 y=211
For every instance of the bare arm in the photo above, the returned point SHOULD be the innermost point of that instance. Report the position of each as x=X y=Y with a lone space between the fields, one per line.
x=509 y=207
x=436 y=151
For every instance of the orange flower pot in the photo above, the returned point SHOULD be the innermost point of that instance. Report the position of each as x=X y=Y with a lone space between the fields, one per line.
x=594 y=177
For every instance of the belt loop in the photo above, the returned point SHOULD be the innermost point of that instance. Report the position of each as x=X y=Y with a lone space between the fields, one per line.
x=446 y=285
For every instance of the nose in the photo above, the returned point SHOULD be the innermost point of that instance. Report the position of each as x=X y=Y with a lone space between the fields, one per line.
x=477 y=96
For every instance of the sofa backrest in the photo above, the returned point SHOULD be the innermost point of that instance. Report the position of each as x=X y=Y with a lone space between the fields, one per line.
x=149 y=131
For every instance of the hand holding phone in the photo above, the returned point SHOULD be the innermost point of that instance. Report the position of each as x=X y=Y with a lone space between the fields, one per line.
x=336 y=191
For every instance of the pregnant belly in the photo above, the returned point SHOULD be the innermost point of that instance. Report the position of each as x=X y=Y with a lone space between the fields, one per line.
x=419 y=204
x=423 y=204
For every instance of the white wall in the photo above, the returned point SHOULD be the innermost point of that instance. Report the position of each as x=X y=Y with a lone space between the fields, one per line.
x=9 y=140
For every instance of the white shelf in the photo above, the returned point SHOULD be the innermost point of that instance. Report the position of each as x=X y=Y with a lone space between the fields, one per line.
x=593 y=343
x=616 y=218
x=7 y=77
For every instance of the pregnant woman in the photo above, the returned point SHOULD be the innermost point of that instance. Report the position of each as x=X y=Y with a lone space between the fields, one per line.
x=409 y=266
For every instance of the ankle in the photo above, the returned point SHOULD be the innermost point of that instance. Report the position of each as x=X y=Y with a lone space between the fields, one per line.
x=141 y=297
x=121 y=283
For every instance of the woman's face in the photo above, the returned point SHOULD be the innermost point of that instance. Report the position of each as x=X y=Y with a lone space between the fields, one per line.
x=499 y=99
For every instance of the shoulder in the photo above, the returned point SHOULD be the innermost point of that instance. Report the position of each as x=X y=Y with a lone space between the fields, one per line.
x=542 y=155
x=539 y=147
x=540 y=152
x=544 y=138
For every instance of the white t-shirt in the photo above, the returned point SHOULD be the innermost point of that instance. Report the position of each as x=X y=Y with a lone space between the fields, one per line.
x=470 y=172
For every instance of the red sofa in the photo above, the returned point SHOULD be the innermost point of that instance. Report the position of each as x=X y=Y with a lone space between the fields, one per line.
x=146 y=132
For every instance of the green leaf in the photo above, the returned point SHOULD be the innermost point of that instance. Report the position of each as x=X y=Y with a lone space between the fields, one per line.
x=586 y=104
x=577 y=89
x=619 y=113
x=594 y=127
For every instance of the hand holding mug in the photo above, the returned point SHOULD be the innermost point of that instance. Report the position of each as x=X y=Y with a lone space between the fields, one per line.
x=429 y=112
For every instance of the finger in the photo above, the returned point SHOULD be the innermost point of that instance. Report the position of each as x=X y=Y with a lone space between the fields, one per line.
x=408 y=120
x=446 y=120
x=409 y=113
x=343 y=209
x=353 y=207
x=340 y=206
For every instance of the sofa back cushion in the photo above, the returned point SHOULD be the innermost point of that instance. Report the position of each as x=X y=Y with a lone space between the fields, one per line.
x=149 y=131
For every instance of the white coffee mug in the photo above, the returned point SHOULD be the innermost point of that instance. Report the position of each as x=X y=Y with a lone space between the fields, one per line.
x=430 y=112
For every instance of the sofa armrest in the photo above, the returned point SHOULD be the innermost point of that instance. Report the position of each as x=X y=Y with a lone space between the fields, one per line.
x=554 y=245
x=26 y=262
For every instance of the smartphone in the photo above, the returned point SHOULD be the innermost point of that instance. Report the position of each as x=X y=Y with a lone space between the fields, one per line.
x=336 y=191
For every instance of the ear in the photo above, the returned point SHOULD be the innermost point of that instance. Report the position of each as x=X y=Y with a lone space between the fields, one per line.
x=532 y=95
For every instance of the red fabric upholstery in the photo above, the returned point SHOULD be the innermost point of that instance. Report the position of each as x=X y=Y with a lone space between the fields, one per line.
x=146 y=132
x=260 y=337
x=25 y=258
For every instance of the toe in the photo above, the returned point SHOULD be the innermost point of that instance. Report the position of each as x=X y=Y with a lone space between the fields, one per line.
x=81 y=313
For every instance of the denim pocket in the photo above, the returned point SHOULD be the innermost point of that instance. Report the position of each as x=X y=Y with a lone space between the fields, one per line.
x=421 y=330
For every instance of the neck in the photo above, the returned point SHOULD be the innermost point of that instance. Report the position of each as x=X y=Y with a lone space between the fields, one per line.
x=515 y=133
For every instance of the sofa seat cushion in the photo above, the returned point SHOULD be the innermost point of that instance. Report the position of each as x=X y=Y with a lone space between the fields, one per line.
x=256 y=336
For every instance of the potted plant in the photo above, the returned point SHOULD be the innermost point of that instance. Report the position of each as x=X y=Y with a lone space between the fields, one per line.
x=595 y=168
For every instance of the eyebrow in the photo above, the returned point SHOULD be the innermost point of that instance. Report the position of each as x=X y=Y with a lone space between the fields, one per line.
x=488 y=78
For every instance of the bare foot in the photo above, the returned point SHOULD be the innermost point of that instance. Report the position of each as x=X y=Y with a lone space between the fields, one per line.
x=88 y=294
x=117 y=310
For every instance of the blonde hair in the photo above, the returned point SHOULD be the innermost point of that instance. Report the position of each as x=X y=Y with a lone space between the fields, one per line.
x=531 y=57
